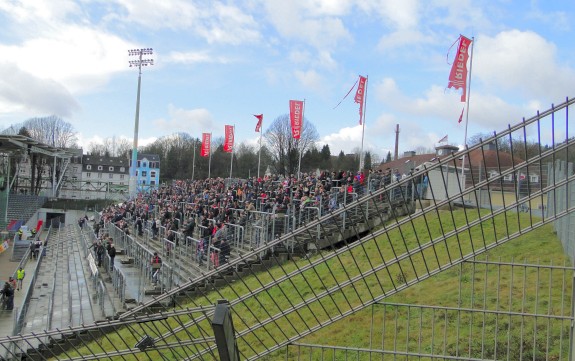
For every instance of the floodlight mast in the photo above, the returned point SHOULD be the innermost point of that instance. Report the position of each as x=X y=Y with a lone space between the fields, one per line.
x=137 y=63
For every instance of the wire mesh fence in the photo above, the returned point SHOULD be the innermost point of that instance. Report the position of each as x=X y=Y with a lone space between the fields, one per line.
x=367 y=250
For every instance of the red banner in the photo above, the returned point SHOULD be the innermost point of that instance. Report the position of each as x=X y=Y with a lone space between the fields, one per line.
x=260 y=120
x=359 y=96
x=206 y=144
x=296 y=117
x=461 y=115
x=458 y=75
x=229 y=139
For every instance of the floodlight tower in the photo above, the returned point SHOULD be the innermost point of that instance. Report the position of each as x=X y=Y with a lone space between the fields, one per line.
x=137 y=63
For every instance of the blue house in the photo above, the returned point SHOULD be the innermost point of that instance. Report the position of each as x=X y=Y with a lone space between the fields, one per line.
x=147 y=171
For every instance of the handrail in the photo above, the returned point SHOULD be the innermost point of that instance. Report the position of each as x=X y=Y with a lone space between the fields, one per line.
x=19 y=318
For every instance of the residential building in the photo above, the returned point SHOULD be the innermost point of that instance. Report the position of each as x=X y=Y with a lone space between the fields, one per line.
x=147 y=171
x=103 y=177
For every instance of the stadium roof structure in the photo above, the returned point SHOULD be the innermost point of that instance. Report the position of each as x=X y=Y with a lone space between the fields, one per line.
x=11 y=144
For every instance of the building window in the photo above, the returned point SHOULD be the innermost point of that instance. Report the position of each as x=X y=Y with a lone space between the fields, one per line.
x=75 y=169
x=136 y=173
x=74 y=178
x=122 y=169
x=144 y=164
x=111 y=176
x=111 y=169
x=121 y=176
x=144 y=182
x=144 y=173
x=153 y=174
x=88 y=175
x=139 y=164
x=99 y=175
x=100 y=167
x=153 y=183
x=534 y=178
x=89 y=167
x=508 y=177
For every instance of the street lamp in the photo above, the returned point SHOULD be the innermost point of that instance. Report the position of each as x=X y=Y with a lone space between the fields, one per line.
x=137 y=63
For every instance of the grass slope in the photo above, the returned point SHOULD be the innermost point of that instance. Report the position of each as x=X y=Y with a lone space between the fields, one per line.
x=442 y=289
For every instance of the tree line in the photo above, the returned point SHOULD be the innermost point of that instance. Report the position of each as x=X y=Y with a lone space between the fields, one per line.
x=180 y=152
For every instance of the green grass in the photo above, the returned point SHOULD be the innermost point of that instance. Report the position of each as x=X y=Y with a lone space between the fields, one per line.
x=354 y=330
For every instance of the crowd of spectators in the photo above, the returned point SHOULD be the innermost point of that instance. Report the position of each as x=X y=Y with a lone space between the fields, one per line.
x=206 y=206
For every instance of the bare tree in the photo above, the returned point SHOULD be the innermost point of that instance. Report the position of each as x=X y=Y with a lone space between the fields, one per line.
x=96 y=149
x=285 y=150
x=53 y=131
x=111 y=147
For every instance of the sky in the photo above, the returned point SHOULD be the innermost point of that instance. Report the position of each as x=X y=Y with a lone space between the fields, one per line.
x=220 y=62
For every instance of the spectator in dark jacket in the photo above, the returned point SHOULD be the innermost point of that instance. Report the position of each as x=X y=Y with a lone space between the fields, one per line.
x=8 y=296
x=112 y=254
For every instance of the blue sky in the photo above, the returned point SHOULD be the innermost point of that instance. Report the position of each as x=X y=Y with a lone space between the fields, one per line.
x=219 y=62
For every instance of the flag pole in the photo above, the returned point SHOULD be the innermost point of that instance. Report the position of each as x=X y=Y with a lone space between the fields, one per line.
x=210 y=159
x=467 y=112
x=260 y=152
x=232 y=157
x=298 y=142
x=194 y=160
x=361 y=158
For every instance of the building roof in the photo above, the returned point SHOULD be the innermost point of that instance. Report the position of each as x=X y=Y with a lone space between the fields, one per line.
x=493 y=159
x=407 y=162
x=103 y=160
x=150 y=157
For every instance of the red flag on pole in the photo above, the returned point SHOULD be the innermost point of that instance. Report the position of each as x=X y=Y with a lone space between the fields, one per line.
x=461 y=115
x=296 y=117
x=206 y=144
x=359 y=96
x=260 y=120
x=458 y=74
x=229 y=139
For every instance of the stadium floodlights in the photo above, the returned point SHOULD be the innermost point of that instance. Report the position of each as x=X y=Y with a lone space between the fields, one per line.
x=138 y=52
x=143 y=62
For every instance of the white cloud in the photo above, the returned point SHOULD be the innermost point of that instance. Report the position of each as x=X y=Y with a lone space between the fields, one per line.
x=293 y=21
x=20 y=91
x=327 y=7
x=345 y=139
x=216 y=23
x=195 y=57
x=399 y=14
x=486 y=109
x=229 y=25
x=522 y=62
x=23 y=11
x=79 y=58
x=404 y=38
x=310 y=79
x=191 y=121
x=172 y=14
x=85 y=141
